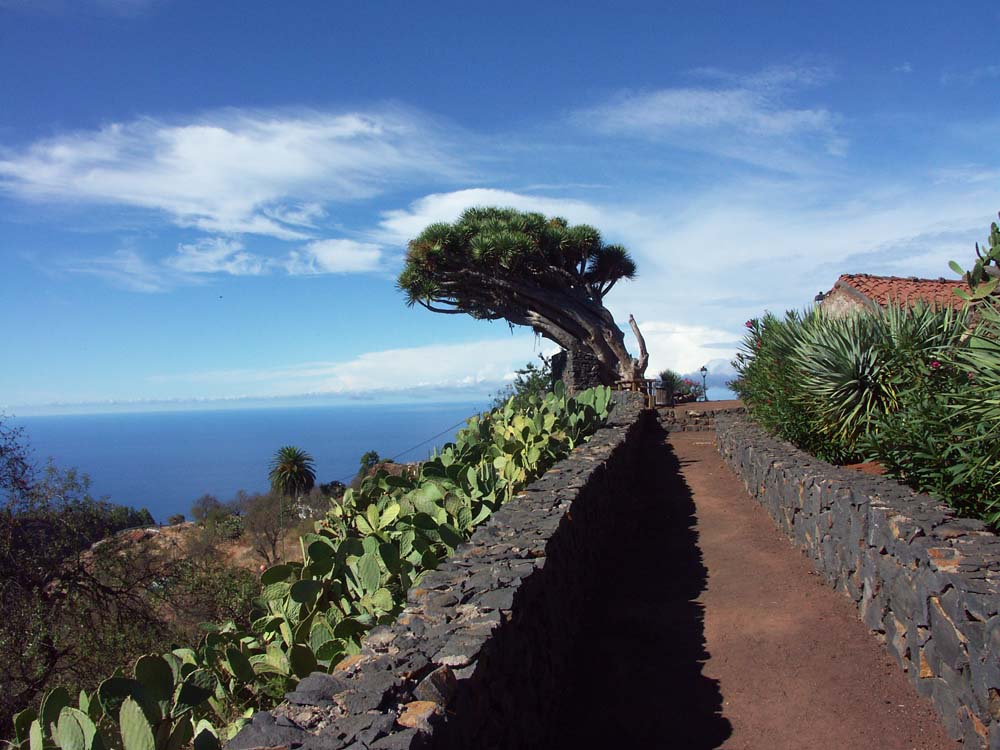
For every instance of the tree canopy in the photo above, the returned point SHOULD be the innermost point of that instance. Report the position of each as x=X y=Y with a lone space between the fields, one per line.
x=292 y=472
x=500 y=263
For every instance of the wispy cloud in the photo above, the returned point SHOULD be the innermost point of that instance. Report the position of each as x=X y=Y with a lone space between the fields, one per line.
x=216 y=255
x=125 y=268
x=334 y=256
x=484 y=363
x=903 y=68
x=970 y=76
x=193 y=263
x=233 y=172
x=745 y=117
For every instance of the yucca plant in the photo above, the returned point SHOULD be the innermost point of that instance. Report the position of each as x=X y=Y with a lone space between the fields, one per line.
x=858 y=369
x=770 y=386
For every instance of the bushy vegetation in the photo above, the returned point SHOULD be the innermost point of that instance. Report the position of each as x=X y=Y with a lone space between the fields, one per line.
x=914 y=388
x=356 y=567
x=678 y=387
x=905 y=386
x=530 y=381
x=78 y=597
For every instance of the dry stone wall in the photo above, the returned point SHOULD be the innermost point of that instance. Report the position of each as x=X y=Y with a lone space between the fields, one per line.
x=479 y=655
x=579 y=369
x=684 y=419
x=925 y=580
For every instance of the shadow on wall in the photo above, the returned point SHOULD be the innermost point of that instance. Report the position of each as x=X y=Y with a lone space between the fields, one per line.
x=604 y=644
x=638 y=678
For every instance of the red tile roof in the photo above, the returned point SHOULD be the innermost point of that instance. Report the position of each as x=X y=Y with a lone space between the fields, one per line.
x=885 y=289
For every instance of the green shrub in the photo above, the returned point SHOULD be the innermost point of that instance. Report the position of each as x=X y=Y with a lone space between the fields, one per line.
x=771 y=388
x=530 y=381
x=915 y=388
x=827 y=384
x=228 y=527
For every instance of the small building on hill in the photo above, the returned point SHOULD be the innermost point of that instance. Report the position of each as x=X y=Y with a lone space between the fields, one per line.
x=854 y=291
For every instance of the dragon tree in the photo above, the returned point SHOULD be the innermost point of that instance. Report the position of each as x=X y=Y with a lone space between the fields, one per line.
x=500 y=263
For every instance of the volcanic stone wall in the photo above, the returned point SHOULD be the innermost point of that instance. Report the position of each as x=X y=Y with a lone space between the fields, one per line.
x=479 y=655
x=683 y=419
x=924 y=580
x=578 y=368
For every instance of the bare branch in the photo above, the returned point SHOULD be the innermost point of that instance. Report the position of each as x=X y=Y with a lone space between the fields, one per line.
x=643 y=360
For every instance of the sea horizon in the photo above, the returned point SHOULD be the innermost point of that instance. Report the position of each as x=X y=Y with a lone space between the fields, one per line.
x=164 y=460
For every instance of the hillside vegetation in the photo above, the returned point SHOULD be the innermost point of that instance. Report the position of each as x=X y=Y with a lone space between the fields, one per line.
x=356 y=567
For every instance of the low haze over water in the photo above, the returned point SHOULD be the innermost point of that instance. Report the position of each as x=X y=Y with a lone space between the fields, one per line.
x=164 y=460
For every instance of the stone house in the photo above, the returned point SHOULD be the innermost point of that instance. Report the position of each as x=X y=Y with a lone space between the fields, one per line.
x=854 y=291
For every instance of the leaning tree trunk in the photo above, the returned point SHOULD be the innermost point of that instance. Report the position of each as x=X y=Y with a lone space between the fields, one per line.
x=570 y=318
x=602 y=359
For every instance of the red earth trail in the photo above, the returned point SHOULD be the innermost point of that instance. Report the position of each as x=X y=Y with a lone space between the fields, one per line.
x=711 y=630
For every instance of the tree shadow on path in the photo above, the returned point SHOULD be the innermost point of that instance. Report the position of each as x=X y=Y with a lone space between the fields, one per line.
x=637 y=679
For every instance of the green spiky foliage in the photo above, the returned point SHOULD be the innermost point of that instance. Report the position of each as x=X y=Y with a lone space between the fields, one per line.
x=292 y=472
x=973 y=411
x=671 y=381
x=915 y=388
x=500 y=263
x=770 y=388
x=826 y=383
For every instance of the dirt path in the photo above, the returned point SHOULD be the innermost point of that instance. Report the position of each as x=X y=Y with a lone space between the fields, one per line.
x=711 y=630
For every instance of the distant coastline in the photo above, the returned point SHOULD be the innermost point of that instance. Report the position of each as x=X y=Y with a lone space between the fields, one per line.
x=164 y=460
x=433 y=395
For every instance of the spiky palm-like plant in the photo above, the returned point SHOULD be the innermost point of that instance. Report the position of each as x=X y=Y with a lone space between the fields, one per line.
x=292 y=472
x=670 y=381
x=847 y=373
x=857 y=369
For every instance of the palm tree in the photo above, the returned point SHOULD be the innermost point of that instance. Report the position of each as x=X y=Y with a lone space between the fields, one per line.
x=670 y=381
x=292 y=473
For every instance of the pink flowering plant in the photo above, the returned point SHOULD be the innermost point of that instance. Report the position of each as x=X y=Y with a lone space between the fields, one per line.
x=679 y=388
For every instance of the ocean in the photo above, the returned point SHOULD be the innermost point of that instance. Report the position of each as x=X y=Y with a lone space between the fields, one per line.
x=163 y=461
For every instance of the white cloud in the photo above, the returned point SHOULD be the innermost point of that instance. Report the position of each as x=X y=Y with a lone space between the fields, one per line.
x=903 y=68
x=658 y=113
x=684 y=347
x=216 y=255
x=709 y=262
x=484 y=363
x=305 y=215
x=232 y=172
x=333 y=256
x=191 y=262
x=743 y=117
x=401 y=225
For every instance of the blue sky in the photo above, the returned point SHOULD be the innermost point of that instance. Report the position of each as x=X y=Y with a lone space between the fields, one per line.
x=211 y=201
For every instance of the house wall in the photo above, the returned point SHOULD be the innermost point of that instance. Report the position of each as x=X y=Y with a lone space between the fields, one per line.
x=839 y=303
